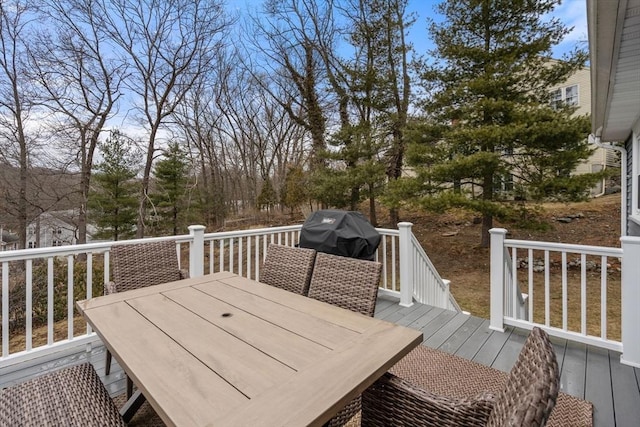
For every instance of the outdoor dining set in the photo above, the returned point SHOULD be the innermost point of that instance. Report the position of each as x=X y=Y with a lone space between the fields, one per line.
x=299 y=346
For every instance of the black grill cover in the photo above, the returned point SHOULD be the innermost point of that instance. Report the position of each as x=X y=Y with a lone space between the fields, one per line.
x=336 y=232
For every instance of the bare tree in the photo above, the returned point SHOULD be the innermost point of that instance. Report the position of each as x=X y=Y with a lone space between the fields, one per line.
x=78 y=83
x=379 y=75
x=241 y=136
x=198 y=119
x=169 y=44
x=16 y=142
x=289 y=35
x=397 y=50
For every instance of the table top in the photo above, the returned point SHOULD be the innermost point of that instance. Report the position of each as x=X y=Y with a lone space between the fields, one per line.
x=225 y=350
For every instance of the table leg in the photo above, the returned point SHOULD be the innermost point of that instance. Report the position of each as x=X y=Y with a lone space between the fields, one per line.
x=130 y=408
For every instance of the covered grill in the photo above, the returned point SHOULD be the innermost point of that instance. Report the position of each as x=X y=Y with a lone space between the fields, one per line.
x=344 y=233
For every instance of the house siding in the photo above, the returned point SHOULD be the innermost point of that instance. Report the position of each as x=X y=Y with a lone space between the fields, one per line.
x=599 y=159
x=633 y=229
x=58 y=228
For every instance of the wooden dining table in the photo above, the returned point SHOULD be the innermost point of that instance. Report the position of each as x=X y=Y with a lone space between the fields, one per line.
x=223 y=350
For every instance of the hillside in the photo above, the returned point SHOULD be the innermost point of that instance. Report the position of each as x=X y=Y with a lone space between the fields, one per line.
x=452 y=240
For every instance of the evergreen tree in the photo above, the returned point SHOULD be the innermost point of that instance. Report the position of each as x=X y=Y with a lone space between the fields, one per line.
x=169 y=197
x=294 y=190
x=267 y=197
x=113 y=199
x=490 y=119
x=357 y=165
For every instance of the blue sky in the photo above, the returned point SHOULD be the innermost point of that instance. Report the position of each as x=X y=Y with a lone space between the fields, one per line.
x=571 y=12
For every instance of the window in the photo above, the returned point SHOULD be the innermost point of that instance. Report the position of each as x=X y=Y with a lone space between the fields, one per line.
x=503 y=183
x=565 y=95
x=556 y=98
x=571 y=95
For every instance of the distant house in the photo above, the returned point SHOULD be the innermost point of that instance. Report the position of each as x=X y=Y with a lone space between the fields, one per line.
x=576 y=91
x=8 y=240
x=56 y=228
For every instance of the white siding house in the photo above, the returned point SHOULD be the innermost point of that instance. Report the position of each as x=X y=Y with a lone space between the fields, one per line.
x=8 y=240
x=576 y=91
x=56 y=228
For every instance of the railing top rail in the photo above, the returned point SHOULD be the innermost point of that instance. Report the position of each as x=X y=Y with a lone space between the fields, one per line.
x=251 y=232
x=274 y=230
x=388 y=231
x=35 y=253
x=563 y=247
x=98 y=247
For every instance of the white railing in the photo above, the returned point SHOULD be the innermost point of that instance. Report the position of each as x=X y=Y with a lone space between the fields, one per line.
x=576 y=292
x=515 y=302
x=428 y=287
x=39 y=287
x=242 y=252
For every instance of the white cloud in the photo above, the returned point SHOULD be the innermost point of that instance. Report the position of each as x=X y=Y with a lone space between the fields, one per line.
x=573 y=13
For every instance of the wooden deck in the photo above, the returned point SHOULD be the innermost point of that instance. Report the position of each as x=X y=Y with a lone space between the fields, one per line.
x=586 y=372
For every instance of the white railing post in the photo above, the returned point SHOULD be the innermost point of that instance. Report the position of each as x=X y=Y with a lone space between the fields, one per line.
x=446 y=293
x=196 y=250
x=630 y=301
x=406 y=264
x=496 y=321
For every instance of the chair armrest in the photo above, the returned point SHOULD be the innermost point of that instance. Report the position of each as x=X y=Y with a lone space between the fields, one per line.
x=110 y=288
x=184 y=274
x=394 y=401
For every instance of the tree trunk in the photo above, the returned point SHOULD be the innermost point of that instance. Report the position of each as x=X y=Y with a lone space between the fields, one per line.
x=487 y=218
x=144 y=190
x=373 y=218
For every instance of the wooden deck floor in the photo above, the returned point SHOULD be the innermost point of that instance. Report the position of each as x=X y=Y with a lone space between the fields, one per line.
x=586 y=372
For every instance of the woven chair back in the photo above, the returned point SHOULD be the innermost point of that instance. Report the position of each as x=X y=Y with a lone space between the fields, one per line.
x=288 y=268
x=532 y=386
x=346 y=282
x=70 y=396
x=139 y=265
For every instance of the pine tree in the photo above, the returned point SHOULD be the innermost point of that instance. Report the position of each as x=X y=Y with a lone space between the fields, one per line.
x=267 y=198
x=489 y=118
x=171 y=180
x=113 y=199
x=294 y=191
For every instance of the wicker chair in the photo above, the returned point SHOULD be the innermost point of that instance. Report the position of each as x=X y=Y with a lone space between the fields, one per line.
x=288 y=268
x=139 y=265
x=348 y=283
x=69 y=397
x=526 y=399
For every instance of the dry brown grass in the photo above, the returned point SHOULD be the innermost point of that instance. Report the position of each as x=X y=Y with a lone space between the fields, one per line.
x=460 y=259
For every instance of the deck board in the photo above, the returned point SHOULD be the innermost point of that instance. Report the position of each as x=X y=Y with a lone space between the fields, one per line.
x=461 y=335
x=574 y=367
x=444 y=333
x=510 y=351
x=626 y=397
x=586 y=372
x=598 y=386
x=492 y=347
x=476 y=340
